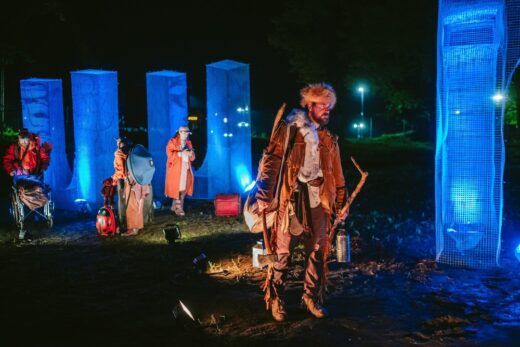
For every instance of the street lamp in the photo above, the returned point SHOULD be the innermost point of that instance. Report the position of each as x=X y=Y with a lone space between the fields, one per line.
x=359 y=126
x=361 y=90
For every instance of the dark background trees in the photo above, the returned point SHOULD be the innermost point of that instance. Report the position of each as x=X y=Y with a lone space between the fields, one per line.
x=389 y=46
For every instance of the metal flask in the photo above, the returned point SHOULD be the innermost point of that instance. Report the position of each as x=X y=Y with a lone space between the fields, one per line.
x=342 y=246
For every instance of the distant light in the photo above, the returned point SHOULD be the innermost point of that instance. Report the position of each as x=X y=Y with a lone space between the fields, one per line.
x=361 y=125
x=211 y=131
x=225 y=134
x=517 y=252
x=243 y=124
x=247 y=108
x=216 y=113
x=355 y=125
x=457 y=112
x=193 y=118
x=240 y=109
x=225 y=119
x=230 y=135
x=498 y=97
x=361 y=89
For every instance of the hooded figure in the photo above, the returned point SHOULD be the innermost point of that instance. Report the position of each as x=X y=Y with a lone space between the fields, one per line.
x=179 y=175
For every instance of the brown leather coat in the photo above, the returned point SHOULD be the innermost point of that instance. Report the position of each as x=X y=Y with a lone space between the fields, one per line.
x=332 y=191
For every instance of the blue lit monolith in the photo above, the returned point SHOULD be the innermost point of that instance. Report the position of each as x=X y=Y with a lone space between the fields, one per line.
x=95 y=110
x=478 y=50
x=227 y=165
x=167 y=105
x=42 y=111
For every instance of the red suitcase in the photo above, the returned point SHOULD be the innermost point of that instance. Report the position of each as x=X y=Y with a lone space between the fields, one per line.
x=227 y=205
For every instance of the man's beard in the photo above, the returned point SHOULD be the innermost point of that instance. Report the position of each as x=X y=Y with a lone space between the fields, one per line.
x=320 y=120
x=323 y=120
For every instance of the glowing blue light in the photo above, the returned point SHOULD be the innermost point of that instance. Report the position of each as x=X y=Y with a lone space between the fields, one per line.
x=517 y=252
x=361 y=125
x=472 y=55
x=42 y=111
x=243 y=176
x=243 y=124
x=250 y=186
x=355 y=125
x=497 y=97
x=167 y=105
x=361 y=89
x=96 y=124
x=227 y=90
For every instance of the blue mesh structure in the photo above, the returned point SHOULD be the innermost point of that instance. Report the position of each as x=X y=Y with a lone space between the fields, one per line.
x=167 y=104
x=95 y=109
x=477 y=53
x=42 y=111
x=227 y=165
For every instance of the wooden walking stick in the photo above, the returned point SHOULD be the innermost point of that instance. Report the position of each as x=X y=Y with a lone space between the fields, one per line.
x=343 y=214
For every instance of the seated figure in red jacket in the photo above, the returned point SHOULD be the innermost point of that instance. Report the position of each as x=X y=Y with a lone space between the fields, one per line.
x=27 y=156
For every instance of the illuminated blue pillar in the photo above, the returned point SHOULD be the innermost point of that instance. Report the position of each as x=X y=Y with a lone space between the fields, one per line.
x=227 y=165
x=95 y=109
x=470 y=146
x=42 y=111
x=167 y=104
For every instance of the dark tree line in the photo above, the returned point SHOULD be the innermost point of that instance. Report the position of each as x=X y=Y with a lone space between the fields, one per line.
x=388 y=45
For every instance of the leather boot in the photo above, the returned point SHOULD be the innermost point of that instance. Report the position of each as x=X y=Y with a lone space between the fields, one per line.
x=278 y=310
x=314 y=308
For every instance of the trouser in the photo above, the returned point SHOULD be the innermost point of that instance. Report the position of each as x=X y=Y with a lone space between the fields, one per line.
x=315 y=242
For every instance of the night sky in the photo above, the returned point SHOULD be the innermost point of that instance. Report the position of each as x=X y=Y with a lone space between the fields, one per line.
x=49 y=39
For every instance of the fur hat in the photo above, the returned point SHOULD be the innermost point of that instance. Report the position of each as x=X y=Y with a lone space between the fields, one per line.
x=318 y=93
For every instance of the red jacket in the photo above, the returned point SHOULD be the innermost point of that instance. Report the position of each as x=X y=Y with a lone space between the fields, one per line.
x=34 y=159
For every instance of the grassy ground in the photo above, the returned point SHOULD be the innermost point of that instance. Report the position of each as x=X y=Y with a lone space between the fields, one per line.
x=70 y=287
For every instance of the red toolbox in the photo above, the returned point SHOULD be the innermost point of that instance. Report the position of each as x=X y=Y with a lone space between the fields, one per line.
x=227 y=205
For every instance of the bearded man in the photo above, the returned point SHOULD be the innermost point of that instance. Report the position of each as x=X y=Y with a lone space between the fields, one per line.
x=312 y=189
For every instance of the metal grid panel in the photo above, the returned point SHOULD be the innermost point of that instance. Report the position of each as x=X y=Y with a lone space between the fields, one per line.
x=478 y=50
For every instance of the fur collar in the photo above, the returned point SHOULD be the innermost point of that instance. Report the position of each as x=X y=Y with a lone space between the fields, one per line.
x=306 y=127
